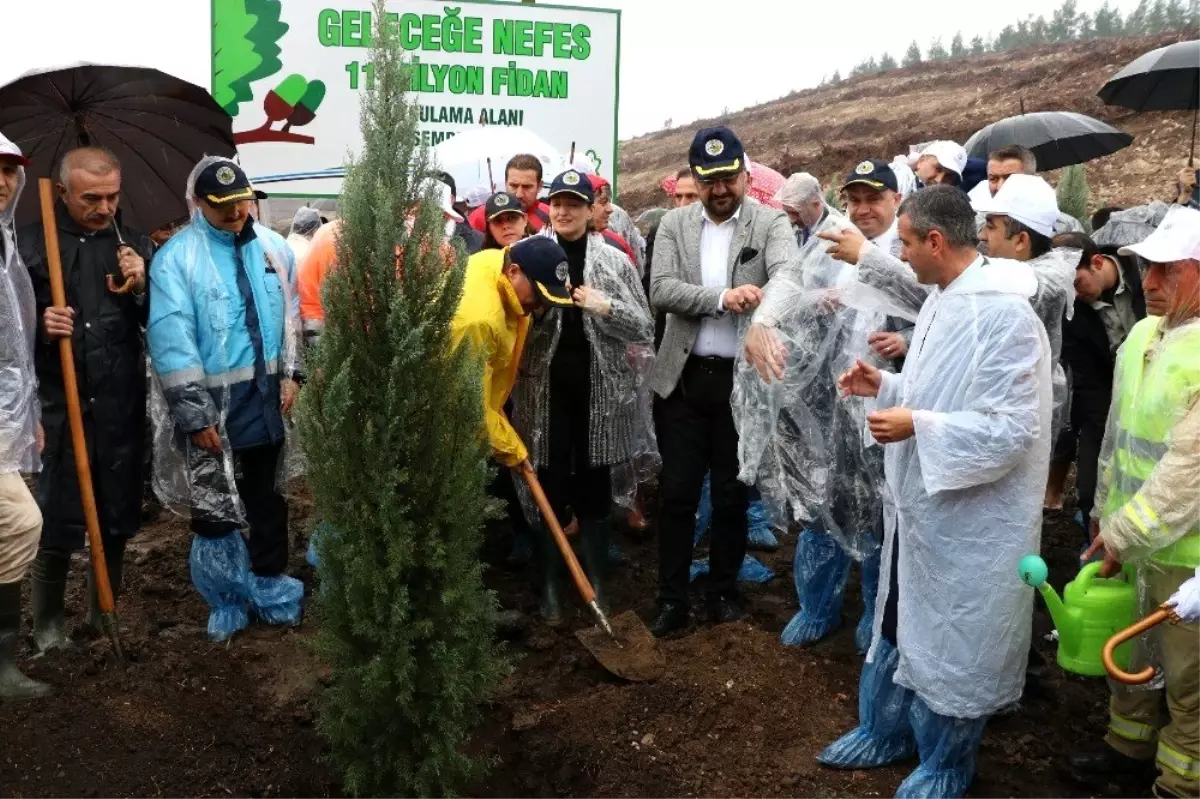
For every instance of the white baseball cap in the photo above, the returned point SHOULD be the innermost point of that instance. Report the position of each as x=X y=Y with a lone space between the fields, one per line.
x=445 y=198
x=1028 y=199
x=949 y=155
x=1176 y=239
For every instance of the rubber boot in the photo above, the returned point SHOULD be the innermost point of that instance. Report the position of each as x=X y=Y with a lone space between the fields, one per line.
x=49 y=598
x=594 y=535
x=820 y=570
x=14 y=685
x=114 y=562
x=550 y=570
x=884 y=733
x=869 y=569
x=948 y=748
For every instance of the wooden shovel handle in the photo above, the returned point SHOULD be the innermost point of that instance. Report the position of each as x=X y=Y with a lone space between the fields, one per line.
x=83 y=468
x=560 y=538
x=1132 y=631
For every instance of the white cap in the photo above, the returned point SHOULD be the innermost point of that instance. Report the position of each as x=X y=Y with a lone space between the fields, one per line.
x=799 y=187
x=1027 y=199
x=1176 y=239
x=478 y=196
x=444 y=198
x=949 y=155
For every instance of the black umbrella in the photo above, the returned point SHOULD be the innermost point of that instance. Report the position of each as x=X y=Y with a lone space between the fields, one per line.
x=1166 y=79
x=157 y=125
x=1057 y=138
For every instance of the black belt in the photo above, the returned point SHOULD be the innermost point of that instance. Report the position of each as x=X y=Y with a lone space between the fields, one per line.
x=711 y=363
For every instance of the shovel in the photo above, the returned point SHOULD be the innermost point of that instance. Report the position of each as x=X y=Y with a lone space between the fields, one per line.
x=83 y=469
x=623 y=646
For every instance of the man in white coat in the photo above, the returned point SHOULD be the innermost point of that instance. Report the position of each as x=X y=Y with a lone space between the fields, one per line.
x=966 y=429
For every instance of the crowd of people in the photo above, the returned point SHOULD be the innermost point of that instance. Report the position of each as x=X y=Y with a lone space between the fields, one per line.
x=906 y=378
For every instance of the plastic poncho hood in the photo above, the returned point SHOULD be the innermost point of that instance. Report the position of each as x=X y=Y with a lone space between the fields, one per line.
x=18 y=329
x=963 y=495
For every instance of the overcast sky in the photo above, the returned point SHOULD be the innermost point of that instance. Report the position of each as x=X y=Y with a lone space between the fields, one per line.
x=681 y=59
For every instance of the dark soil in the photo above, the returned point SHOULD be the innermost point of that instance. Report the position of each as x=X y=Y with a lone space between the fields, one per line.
x=735 y=714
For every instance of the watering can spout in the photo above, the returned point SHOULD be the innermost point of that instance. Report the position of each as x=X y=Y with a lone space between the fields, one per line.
x=1033 y=572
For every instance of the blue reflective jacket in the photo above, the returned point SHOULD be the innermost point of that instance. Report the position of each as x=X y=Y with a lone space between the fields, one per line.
x=218 y=307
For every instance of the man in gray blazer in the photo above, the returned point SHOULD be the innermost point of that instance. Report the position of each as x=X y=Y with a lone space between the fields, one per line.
x=711 y=260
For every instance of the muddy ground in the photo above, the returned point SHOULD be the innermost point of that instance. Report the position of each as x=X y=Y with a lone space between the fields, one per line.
x=736 y=714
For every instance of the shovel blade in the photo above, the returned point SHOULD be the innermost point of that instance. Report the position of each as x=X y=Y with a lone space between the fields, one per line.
x=633 y=656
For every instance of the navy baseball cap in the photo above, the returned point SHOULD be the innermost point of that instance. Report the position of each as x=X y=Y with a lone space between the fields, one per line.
x=544 y=262
x=573 y=183
x=874 y=173
x=223 y=182
x=502 y=203
x=716 y=153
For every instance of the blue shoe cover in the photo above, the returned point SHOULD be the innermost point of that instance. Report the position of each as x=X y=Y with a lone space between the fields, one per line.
x=276 y=600
x=759 y=534
x=820 y=569
x=869 y=569
x=884 y=733
x=220 y=570
x=751 y=571
x=703 y=511
x=948 y=748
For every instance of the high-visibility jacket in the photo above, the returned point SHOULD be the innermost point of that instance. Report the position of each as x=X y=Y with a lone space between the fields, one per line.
x=491 y=318
x=1148 y=468
x=311 y=272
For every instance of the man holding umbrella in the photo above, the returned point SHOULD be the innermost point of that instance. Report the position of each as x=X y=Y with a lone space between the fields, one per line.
x=104 y=272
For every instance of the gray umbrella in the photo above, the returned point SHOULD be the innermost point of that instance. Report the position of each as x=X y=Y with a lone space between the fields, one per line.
x=1057 y=138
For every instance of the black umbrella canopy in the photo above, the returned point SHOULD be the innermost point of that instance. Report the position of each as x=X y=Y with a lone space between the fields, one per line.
x=1166 y=79
x=157 y=125
x=1057 y=138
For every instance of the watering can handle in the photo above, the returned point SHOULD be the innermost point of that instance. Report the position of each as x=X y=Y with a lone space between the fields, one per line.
x=1084 y=579
x=1133 y=631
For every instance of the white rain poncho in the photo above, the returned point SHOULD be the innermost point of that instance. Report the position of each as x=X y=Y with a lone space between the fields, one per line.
x=1131 y=226
x=200 y=358
x=305 y=224
x=964 y=494
x=1053 y=303
x=800 y=444
x=18 y=330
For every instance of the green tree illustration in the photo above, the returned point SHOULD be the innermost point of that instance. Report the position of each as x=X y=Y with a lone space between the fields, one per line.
x=246 y=36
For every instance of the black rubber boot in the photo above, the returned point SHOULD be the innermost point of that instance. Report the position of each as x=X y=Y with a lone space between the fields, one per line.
x=49 y=596
x=14 y=685
x=550 y=570
x=594 y=535
x=114 y=561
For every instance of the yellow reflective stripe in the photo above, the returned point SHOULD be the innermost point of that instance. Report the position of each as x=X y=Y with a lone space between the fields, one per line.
x=735 y=166
x=1142 y=516
x=1129 y=729
x=1183 y=765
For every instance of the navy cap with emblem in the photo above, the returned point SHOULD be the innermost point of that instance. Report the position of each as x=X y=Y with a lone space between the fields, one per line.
x=502 y=203
x=223 y=182
x=573 y=183
x=874 y=173
x=716 y=153
x=544 y=262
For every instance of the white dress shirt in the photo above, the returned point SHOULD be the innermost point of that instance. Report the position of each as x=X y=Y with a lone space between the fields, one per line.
x=717 y=336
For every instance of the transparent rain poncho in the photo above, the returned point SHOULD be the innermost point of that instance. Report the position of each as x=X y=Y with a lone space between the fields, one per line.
x=964 y=494
x=800 y=444
x=18 y=330
x=187 y=479
x=1054 y=303
x=305 y=224
x=621 y=433
x=1131 y=226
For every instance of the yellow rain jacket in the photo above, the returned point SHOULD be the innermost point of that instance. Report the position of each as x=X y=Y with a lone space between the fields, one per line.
x=490 y=316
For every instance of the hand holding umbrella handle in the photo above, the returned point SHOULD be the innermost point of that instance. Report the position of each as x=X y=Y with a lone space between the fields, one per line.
x=1133 y=631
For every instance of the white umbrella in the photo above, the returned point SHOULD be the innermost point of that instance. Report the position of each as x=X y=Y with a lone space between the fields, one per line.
x=465 y=155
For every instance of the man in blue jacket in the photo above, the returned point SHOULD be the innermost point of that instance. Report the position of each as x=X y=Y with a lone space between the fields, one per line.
x=223 y=320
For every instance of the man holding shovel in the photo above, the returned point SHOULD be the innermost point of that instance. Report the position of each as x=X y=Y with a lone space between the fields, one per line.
x=104 y=268
x=20 y=520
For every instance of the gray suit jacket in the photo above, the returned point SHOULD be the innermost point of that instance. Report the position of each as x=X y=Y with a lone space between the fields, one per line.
x=764 y=240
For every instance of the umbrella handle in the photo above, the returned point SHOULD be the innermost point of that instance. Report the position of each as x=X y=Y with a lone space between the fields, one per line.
x=1132 y=631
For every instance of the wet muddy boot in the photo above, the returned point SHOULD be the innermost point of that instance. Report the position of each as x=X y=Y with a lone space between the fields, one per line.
x=595 y=535
x=49 y=597
x=550 y=569
x=14 y=685
x=114 y=561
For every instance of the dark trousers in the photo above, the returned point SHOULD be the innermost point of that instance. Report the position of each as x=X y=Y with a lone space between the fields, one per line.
x=891 y=607
x=567 y=477
x=503 y=487
x=266 y=510
x=1089 y=413
x=696 y=435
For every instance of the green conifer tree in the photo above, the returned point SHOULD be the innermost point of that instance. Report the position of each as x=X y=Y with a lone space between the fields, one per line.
x=392 y=419
x=1073 y=193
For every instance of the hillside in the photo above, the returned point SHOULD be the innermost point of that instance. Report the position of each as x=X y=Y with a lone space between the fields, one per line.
x=827 y=130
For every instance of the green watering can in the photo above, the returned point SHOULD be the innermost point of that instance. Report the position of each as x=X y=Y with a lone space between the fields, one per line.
x=1091 y=611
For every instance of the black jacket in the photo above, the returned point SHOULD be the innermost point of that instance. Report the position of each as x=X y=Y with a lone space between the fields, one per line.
x=1085 y=348
x=110 y=369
